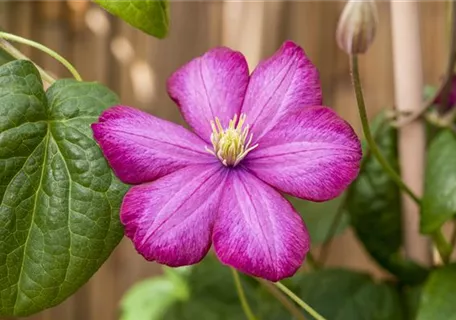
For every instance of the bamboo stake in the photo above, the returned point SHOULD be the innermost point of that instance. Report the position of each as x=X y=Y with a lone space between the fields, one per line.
x=408 y=79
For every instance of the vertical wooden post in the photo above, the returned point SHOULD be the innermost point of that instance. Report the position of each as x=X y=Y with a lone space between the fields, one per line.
x=408 y=88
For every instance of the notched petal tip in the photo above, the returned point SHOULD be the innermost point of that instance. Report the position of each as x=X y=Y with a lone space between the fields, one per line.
x=286 y=81
x=289 y=45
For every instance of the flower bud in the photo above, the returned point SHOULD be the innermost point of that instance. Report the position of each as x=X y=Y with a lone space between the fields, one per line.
x=357 y=26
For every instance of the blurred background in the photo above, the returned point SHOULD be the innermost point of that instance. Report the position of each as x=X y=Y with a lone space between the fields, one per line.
x=136 y=66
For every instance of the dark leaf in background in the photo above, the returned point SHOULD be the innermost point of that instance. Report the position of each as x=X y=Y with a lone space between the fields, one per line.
x=59 y=200
x=411 y=296
x=213 y=296
x=374 y=205
x=339 y=294
x=150 y=16
x=437 y=299
x=439 y=199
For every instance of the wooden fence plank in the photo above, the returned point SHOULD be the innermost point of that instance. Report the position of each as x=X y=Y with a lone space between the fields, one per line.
x=135 y=65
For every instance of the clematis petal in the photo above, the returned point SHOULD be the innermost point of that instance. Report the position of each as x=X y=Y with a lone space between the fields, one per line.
x=286 y=81
x=257 y=230
x=170 y=220
x=312 y=154
x=140 y=147
x=210 y=86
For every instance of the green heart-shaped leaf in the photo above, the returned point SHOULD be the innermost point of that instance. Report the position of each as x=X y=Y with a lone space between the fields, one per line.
x=150 y=16
x=437 y=298
x=59 y=200
x=439 y=199
x=374 y=204
x=151 y=298
x=339 y=294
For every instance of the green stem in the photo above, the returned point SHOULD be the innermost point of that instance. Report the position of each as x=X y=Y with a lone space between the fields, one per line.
x=290 y=306
x=312 y=262
x=453 y=235
x=300 y=302
x=368 y=135
x=440 y=241
x=443 y=247
x=10 y=49
x=39 y=46
x=244 y=303
x=331 y=232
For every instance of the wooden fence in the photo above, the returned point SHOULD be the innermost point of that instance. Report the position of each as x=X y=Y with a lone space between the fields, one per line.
x=107 y=50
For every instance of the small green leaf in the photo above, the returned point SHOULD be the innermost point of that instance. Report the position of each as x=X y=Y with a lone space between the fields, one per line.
x=151 y=298
x=59 y=201
x=150 y=16
x=374 y=204
x=213 y=296
x=339 y=294
x=320 y=217
x=437 y=299
x=439 y=199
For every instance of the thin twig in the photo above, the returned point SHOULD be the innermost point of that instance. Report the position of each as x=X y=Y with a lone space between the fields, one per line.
x=331 y=232
x=244 y=302
x=300 y=302
x=368 y=135
x=453 y=235
x=282 y=299
x=312 y=262
x=39 y=46
x=9 y=48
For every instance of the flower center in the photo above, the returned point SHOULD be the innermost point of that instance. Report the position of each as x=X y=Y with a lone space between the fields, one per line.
x=231 y=145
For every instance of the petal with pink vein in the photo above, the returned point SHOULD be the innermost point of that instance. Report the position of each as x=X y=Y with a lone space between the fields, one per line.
x=312 y=154
x=170 y=220
x=257 y=230
x=210 y=86
x=287 y=81
x=141 y=148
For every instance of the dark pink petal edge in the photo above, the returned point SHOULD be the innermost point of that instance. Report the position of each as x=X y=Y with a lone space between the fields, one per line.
x=312 y=154
x=285 y=82
x=141 y=148
x=210 y=86
x=170 y=220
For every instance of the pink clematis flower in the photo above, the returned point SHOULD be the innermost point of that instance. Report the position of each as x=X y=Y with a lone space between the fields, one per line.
x=253 y=137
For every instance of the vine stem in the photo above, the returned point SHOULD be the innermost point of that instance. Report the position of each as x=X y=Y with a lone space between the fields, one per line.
x=244 y=302
x=299 y=301
x=39 y=46
x=331 y=232
x=443 y=247
x=10 y=49
x=290 y=306
x=368 y=134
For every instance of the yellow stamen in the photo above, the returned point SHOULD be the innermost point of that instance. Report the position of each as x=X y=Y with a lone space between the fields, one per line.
x=231 y=145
